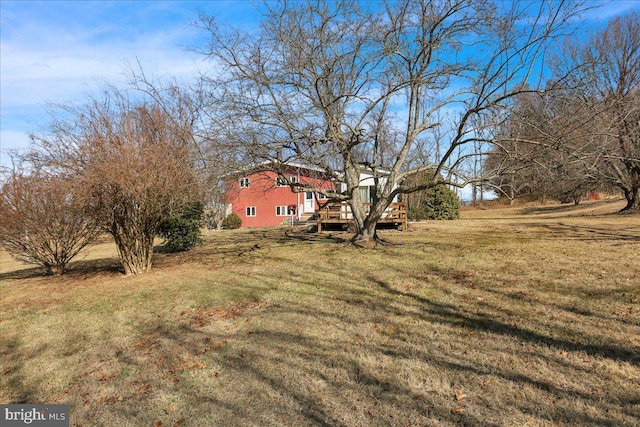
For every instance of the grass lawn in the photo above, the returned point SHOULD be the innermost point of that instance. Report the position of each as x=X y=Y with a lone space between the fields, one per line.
x=513 y=317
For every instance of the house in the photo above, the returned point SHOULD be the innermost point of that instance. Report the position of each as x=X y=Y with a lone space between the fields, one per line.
x=262 y=197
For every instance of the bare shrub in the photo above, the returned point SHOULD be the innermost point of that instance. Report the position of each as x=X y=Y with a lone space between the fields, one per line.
x=42 y=220
x=134 y=161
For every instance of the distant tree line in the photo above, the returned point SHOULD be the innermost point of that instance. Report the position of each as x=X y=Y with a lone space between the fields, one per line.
x=582 y=134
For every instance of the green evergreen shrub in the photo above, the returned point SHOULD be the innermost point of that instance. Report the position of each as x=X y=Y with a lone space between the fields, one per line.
x=181 y=231
x=231 y=222
x=436 y=203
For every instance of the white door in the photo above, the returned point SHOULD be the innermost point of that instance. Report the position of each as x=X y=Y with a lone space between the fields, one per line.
x=309 y=202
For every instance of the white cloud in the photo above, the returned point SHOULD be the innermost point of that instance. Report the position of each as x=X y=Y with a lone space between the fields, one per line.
x=606 y=10
x=61 y=58
x=11 y=141
x=35 y=70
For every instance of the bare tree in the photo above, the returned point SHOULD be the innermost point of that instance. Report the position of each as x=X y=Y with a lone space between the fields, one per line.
x=214 y=155
x=134 y=161
x=540 y=149
x=616 y=77
x=348 y=85
x=42 y=219
x=605 y=83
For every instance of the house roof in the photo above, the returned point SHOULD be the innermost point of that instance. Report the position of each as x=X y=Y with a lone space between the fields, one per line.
x=274 y=165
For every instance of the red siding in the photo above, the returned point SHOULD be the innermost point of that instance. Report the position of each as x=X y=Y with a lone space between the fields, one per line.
x=264 y=195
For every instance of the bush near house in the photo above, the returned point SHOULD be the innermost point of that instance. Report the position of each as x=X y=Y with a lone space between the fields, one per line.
x=435 y=203
x=231 y=222
x=182 y=230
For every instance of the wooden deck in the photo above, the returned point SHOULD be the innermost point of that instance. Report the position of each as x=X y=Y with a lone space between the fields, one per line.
x=340 y=213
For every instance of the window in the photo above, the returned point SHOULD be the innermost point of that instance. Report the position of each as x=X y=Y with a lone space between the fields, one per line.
x=373 y=193
x=285 y=210
x=282 y=182
x=364 y=194
x=251 y=211
x=245 y=182
x=367 y=193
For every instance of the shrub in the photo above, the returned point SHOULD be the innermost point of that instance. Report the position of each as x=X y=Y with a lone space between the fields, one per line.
x=132 y=160
x=182 y=230
x=42 y=221
x=231 y=222
x=436 y=203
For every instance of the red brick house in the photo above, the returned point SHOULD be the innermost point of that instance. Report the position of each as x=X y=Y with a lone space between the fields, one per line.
x=262 y=197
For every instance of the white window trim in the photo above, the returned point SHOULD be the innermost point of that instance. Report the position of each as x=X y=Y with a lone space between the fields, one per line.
x=282 y=210
x=245 y=182
x=250 y=211
x=281 y=181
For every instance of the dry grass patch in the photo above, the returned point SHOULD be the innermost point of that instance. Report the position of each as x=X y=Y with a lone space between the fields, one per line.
x=509 y=317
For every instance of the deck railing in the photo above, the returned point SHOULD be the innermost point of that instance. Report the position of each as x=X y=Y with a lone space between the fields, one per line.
x=340 y=213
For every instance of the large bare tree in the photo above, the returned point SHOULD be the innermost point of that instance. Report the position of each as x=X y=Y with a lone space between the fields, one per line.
x=396 y=87
x=615 y=75
x=539 y=150
x=134 y=160
x=603 y=99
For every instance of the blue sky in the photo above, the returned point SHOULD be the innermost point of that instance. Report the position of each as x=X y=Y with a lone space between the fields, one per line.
x=57 y=51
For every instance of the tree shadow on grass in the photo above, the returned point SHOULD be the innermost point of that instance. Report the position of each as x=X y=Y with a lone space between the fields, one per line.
x=620 y=294
x=626 y=235
x=478 y=322
x=88 y=268
x=568 y=209
x=337 y=370
x=294 y=379
x=82 y=269
x=240 y=244
x=12 y=378
x=303 y=361
x=306 y=379
x=24 y=273
x=308 y=360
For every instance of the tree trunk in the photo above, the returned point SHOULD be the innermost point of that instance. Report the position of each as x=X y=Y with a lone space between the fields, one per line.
x=364 y=220
x=367 y=236
x=474 y=194
x=56 y=269
x=135 y=253
x=633 y=199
